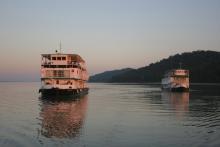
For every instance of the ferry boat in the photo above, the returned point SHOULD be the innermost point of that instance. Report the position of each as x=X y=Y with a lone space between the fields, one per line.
x=176 y=80
x=64 y=74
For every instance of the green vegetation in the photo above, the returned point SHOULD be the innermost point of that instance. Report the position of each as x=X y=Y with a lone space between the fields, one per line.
x=204 y=67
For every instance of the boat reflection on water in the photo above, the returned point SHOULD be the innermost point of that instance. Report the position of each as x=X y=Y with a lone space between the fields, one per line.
x=62 y=118
x=177 y=101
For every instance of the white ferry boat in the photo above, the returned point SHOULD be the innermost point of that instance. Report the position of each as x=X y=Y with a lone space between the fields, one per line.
x=63 y=74
x=176 y=80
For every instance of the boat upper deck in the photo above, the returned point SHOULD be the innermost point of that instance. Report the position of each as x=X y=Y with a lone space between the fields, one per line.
x=177 y=73
x=59 y=60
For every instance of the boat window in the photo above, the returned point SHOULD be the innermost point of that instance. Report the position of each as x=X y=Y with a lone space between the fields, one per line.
x=63 y=58
x=61 y=66
x=58 y=73
x=58 y=58
x=53 y=58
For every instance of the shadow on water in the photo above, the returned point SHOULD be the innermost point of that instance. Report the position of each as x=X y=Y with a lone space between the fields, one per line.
x=62 y=117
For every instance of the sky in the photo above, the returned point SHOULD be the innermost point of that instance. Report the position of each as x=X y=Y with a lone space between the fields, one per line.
x=108 y=34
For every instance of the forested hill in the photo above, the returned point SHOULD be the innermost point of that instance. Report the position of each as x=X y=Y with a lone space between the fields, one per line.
x=107 y=75
x=204 y=67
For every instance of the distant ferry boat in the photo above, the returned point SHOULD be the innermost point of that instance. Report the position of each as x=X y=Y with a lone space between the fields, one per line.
x=63 y=74
x=176 y=80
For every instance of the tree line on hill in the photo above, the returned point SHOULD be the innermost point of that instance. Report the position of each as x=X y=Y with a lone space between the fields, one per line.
x=204 y=67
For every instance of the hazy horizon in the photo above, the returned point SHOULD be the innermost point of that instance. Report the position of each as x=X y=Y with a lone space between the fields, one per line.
x=111 y=34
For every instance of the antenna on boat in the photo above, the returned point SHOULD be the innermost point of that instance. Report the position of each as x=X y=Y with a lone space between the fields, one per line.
x=60 y=47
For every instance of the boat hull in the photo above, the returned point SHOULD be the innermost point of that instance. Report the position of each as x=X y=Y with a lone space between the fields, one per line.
x=64 y=92
x=176 y=89
x=179 y=89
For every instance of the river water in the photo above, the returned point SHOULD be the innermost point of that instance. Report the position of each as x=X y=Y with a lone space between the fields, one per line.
x=111 y=115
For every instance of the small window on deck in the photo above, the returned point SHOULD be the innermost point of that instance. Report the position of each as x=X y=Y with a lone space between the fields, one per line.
x=58 y=58
x=54 y=58
x=63 y=58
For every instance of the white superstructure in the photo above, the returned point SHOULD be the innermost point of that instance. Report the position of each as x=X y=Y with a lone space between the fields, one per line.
x=176 y=80
x=63 y=73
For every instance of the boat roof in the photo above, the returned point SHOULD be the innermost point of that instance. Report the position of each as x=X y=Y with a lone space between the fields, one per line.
x=173 y=70
x=177 y=69
x=75 y=57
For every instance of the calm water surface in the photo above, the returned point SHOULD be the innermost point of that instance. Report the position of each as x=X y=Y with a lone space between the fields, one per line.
x=110 y=115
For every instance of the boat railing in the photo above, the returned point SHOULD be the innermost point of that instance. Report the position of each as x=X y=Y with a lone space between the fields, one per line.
x=50 y=64
x=46 y=63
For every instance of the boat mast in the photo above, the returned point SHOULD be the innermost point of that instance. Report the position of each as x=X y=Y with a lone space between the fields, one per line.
x=60 y=47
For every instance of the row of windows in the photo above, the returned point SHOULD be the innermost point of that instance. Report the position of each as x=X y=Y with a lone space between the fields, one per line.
x=62 y=83
x=61 y=66
x=58 y=58
x=180 y=78
x=58 y=73
x=61 y=73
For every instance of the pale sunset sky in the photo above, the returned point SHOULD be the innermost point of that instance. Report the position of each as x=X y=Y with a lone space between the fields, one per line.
x=108 y=34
